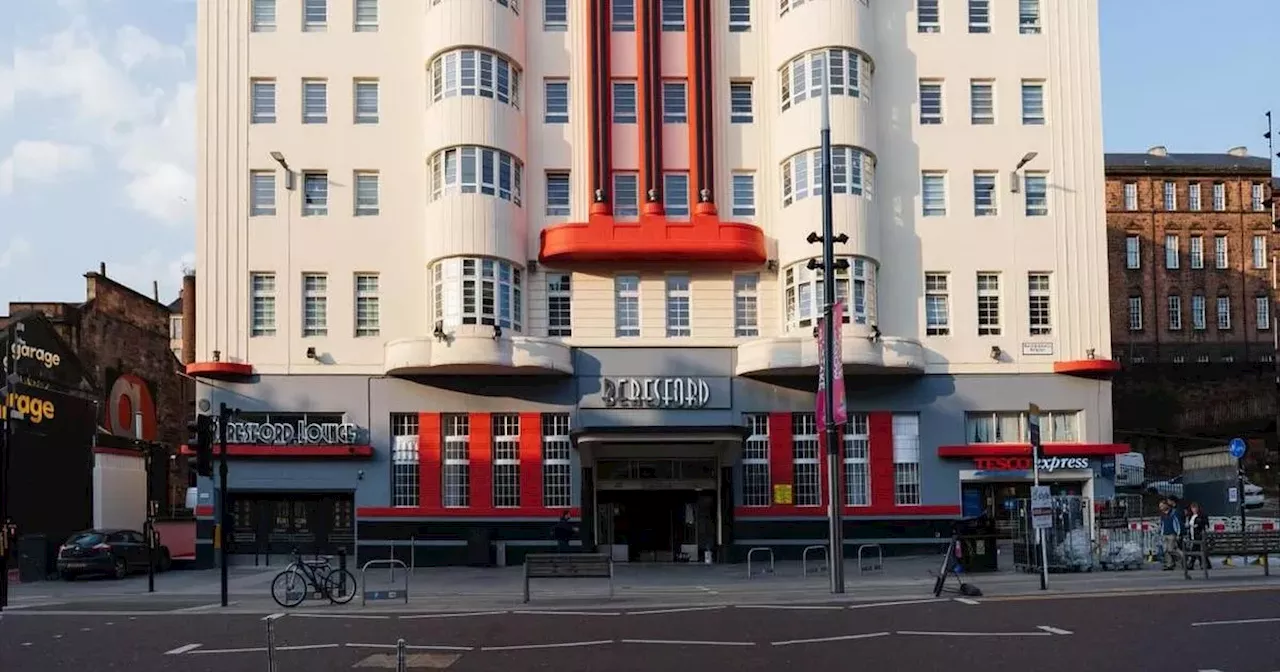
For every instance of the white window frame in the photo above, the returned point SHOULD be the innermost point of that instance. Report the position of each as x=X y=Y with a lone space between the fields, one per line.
x=262 y=100
x=1221 y=252
x=1257 y=197
x=857 y=467
x=741 y=101
x=757 y=484
x=559 y=304
x=979 y=16
x=746 y=305
x=1224 y=313
x=624 y=101
x=678 y=305
x=315 y=16
x=1029 y=17
x=937 y=303
x=471 y=169
x=990 y=427
x=555 y=106
x=802 y=175
x=933 y=193
x=1193 y=196
x=315 y=193
x=1199 y=321
x=478 y=291
x=744 y=195
x=1040 y=303
x=1174 y=308
x=262 y=304
x=368 y=305
x=559 y=196
x=1259 y=251
x=1036 y=188
x=366 y=106
x=262 y=193
x=989 y=304
x=739 y=16
x=806 y=488
x=406 y=474
x=675 y=101
x=264 y=16
x=365 y=15
x=802 y=77
x=1033 y=102
x=1130 y=196
x=315 y=100
x=555 y=16
x=1170 y=196
x=1135 y=313
x=1219 y=197
x=803 y=292
x=1132 y=252
x=982 y=101
x=928 y=17
x=315 y=305
x=626 y=305
x=626 y=9
x=366 y=193
x=931 y=104
x=1262 y=312
x=475 y=72
x=455 y=449
x=1196 y=253
x=505 y=456
x=906 y=460
x=668 y=14
x=675 y=193
x=1172 y=255
x=626 y=194
x=985 y=188
x=557 y=461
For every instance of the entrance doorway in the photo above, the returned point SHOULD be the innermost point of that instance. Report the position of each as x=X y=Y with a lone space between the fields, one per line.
x=657 y=525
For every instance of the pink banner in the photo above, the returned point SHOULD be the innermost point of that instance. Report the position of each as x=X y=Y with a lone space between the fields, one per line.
x=837 y=376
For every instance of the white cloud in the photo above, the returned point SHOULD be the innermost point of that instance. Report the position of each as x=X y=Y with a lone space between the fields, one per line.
x=153 y=266
x=7 y=85
x=42 y=162
x=134 y=47
x=16 y=248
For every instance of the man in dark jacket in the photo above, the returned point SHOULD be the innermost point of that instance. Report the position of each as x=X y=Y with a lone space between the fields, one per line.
x=563 y=533
x=1171 y=529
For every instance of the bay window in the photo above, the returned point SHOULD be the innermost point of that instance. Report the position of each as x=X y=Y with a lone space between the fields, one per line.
x=804 y=292
x=478 y=290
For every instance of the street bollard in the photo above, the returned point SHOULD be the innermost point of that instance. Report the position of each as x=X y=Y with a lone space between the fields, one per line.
x=391 y=570
x=342 y=566
x=271 y=645
x=402 y=662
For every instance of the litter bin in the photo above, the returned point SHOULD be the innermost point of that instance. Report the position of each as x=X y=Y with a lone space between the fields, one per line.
x=33 y=558
x=978 y=543
x=479 y=545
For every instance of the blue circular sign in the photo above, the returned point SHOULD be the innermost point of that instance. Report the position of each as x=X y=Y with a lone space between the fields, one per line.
x=1237 y=448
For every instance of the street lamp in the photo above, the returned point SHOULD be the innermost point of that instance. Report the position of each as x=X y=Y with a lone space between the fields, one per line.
x=288 y=173
x=1026 y=158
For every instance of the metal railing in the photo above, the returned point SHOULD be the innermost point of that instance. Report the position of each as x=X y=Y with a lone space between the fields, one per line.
x=752 y=552
x=387 y=594
x=804 y=559
x=877 y=565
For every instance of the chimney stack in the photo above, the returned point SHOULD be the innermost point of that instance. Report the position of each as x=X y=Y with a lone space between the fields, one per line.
x=155 y=290
x=1238 y=151
x=102 y=268
x=188 y=318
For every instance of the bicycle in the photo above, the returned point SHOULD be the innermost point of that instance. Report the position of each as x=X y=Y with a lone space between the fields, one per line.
x=303 y=577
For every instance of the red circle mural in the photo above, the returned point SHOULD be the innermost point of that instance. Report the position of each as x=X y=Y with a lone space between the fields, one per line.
x=129 y=395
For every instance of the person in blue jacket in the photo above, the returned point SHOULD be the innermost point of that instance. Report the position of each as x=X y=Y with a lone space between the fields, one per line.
x=1171 y=530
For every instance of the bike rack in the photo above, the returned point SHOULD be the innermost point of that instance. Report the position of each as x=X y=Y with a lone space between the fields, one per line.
x=875 y=566
x=804 y=559
x=313 y=563
x=391 y=564
x=759 y=549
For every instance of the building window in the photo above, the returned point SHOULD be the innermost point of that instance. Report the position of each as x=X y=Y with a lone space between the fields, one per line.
x=315 y=304
x=475 y=72
x=927 y=18
x=1262 y=312
x=806 y=478
x=803 y=77
x=1220 y=251
x=623 y=16
x=1170 y=196
x=744 y=195
x=366 y=15
x=1132 y=249
x=1032 y=103
x=262 y=304
x=626 y=306
x=478 y=290
x=559 y=307
x=368 y=309
x=804 y=292
x=1196 y=253
x=675 y=194
x=175 y=328
x=979 y=16
x=1011 y=427
x=1029 y=17
x=1224 y=313
x=1135 y=313
x=675 y=102
x=1198 y=321
x=366 y=96
x=739 y=16
x=457 y=460
x=857 y=450
x=264 y=16
x=1130 y=196
x=1171 y=255
x=933 y=193
x=1175 y=312
x=315 y=194
x=626 y=195
x=262 y=193
x=556 y=101
x=406 y=484
x=506 y=460
x=1039 y=307
x=678 y=306
x=1219 y=197
x=906 y=459
x=1259 y=251
x=746 y=305
x=757 y=485
x=1193 y=196
x=1037 y=188
x=263 y=94
x=741 y=103
x=555 y=16
x=802 y=173
x=558 y=194
x=557 y=461
x=982 y=110
x=315 y=15
x=937 y=304
x=315 y=101
x=366 y=190
x=672 y=16
x=1256 y=198
x=476 y=170
x=624 y=102
x=989 y=304
x=984 y=193
x=930 y=102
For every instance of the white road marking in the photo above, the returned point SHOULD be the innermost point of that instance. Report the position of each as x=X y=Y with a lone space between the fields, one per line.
x=182 y=649
x=57 y=636
x=707 y=590
x=110 y=623
x=85 y=629
x=679 y=642
x=672 y=611
x=839 y=638
x=26 y=643
x=808 y=607
x=201 y=607
x=369 y=617
x=459 y=615
x=561 y=645
x=894 y=604
x=33 y=605
x=965 y=600
x=1054 y=631
x=1246 y=621
x=974 y=634
x=262 y=649
x=416 y=647
x=273 y=617
x=569 y=613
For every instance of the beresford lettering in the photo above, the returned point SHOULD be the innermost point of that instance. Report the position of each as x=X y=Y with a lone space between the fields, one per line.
x=286 y=433
x=654 y=392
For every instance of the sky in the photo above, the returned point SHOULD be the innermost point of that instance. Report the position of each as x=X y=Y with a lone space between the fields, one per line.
x=97 y=114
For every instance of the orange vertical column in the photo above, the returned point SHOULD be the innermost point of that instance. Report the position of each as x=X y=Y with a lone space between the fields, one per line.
x=601 y=122
x=429 y=464
x=880 y=467
x=644 y=124
x=781 y=450
x=694 y=84
x=531 y=460
x=481 y=456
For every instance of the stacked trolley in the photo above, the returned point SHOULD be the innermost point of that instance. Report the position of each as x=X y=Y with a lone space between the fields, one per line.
x=1069 y=539
x=1122 y=541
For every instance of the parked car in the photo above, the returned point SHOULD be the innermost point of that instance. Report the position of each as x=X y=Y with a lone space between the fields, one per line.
x=114 y=552
x=1253 y=497
x=1168 y=488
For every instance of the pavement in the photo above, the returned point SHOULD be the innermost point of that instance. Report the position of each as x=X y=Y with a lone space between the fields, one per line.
x=1213 y=629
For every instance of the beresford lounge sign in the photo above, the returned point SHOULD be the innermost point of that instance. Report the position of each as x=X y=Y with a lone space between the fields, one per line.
x=300 y=433
x=654 y=392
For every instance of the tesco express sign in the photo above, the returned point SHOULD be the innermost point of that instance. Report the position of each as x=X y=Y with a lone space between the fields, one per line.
x=1047 y=464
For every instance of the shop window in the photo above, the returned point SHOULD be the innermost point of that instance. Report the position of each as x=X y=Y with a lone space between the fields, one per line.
x=557 y=467
x=478 y=290
x=857 y=448
x=506 y=460
x=475 y=72
x=804 y=293
x=757 y=488
x=457 y=460
x=405 y=475
x=906 y=459
x=806 y=485
x=1011 y=427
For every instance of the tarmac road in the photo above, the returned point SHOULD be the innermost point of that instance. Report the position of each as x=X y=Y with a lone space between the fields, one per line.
x=1236 y=631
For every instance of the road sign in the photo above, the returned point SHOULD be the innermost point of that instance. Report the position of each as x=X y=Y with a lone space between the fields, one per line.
x=1033 y=433
x=1233 y=495
x=1041 y=507
x=1237 y=448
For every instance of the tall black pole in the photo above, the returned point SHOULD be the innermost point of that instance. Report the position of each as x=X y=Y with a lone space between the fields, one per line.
x=10 y=370
x=224 y=419
x=836 y=493
x=149 y=461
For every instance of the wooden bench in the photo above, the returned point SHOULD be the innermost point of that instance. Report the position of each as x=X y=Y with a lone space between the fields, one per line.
x=1262 y=543
x=567 y=566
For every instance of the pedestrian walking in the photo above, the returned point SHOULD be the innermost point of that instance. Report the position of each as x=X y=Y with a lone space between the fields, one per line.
x=1171 y=530
x=563 y=533
x=1197 y=529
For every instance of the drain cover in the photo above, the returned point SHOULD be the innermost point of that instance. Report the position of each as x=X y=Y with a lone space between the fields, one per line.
x=424 y=661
